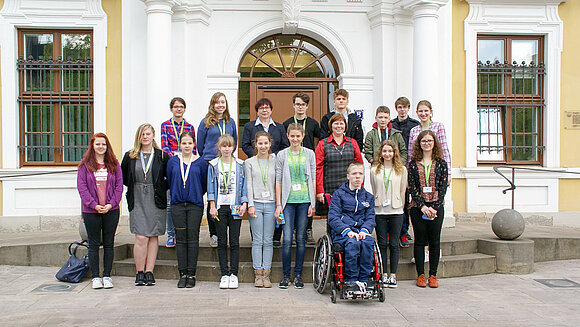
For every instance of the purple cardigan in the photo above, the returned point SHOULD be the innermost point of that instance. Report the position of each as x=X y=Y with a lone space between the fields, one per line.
x=87 y=187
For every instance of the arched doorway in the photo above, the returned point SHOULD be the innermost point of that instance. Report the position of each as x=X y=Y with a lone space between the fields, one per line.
x=278 y=66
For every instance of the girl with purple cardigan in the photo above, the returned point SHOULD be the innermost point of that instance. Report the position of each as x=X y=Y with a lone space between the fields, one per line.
x=100 y=186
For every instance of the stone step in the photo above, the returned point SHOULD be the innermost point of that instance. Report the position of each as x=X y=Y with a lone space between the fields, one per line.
x=449 y=266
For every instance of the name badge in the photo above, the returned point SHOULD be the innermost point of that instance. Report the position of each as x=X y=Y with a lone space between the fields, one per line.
x=296 y=187
x=235 y=210
x=266 y=194
x=427 y=189
x=226 y=198
x=386 y=203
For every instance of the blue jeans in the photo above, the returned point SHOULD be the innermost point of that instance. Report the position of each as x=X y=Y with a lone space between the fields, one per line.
x=357 y=268
x=294 y=214
x=262 y=231
x=169 y=222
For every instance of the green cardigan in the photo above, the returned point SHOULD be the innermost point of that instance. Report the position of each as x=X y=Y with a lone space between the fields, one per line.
x=372 y=143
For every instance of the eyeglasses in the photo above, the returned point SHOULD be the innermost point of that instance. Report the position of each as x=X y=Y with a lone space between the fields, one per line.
x=264 y=108
x=427 y=141
x=178 y=107
x=300 y=105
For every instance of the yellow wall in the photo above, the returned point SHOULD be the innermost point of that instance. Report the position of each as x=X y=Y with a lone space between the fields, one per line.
x=568 y=188
x=460 y=10
x=113 y=8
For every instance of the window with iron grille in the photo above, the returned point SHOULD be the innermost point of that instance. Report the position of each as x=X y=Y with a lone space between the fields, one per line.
x=510 y=99
x=55 y=99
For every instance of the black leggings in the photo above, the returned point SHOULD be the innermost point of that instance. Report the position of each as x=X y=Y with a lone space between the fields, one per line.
x=187 y=219
x=227 y=220
x=101 y=227
x=427 y=232
x=389 y=225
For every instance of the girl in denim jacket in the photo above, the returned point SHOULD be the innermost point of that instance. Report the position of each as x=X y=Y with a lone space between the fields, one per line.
x=227 y=197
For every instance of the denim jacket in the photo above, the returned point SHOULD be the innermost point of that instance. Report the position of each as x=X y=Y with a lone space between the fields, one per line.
x=213 y=182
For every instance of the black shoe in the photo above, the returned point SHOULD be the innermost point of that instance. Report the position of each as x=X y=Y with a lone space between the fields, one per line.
x=190 y=282
x=298 y=283
x=284 y=282
x=149 y=279
x=182 y=281
x=140 y=279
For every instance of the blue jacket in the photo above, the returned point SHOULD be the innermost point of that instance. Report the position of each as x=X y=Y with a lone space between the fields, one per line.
x=277 y=132
x=207 y=138
x=195 y=186
x=213 y=182
x=351 y=210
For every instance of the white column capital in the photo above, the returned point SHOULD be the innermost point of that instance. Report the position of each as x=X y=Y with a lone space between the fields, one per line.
x=160 y=6
x=423 y=8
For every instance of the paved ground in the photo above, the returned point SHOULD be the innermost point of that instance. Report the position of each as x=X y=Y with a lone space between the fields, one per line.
x=487 y=300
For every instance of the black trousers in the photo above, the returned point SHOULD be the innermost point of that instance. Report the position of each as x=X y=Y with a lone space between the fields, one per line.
x=427 y=232
x=389 y=225
x=227 y=220
x=187 y=219
x=101 y=226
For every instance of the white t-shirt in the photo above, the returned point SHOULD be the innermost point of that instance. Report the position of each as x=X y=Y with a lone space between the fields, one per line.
x=226 y=197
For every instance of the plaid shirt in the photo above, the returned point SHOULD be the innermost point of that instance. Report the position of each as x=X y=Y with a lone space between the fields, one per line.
x=439 y=131
x=169 y=142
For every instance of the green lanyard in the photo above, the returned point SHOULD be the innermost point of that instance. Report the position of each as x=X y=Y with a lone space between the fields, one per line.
x=427 y=171
x=295 y=162
x=222 y=131
x=226 y=176
x=428 y=125
x=303 y=123
x=264 y=176
x=175 y=129
x=386 y=179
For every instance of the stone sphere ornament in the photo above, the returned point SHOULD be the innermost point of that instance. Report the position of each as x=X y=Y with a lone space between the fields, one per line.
x=508 y=224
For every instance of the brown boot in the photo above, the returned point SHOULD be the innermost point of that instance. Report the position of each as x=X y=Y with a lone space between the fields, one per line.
x=266 y=278
x=258 y=277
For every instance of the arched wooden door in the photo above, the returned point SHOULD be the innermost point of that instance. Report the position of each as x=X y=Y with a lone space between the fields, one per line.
x=279 y=66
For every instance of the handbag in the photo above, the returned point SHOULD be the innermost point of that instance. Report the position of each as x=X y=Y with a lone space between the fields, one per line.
x=74 y=269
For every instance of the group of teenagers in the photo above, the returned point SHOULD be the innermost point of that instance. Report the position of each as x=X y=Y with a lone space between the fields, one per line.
x=286 y=180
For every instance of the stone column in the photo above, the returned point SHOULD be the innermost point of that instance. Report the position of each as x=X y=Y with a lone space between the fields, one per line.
x=158 y=62
x=425 y=48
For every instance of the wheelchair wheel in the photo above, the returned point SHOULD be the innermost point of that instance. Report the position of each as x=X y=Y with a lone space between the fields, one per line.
x=378 y=267
x=333 y=296
x=321 y=264
x=381 y=294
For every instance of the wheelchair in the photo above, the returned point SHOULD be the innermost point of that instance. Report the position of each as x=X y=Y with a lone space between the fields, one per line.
x=328 y=268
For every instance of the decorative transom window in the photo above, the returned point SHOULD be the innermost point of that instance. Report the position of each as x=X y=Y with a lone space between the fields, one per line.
x=289 y=56
x=510 y=99
x=55 y=98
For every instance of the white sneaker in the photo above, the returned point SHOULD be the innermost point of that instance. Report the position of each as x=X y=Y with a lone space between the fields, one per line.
x=107 y=282
x=225 y=282
x=392 y=282
x=385 y=280
x=213 y=241
x=233 y=281
x=97 y=283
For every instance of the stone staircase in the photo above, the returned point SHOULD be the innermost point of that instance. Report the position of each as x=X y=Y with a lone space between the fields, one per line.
x=460 y=258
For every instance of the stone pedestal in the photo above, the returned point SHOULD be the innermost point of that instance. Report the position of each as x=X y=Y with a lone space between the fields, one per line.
x=512 y=257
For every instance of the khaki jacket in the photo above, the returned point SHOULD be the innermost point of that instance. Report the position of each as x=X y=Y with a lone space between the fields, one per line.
x=398 y=187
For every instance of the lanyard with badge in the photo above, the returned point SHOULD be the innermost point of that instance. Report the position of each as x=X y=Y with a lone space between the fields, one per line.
x=184 y=174
x=223 y=127
x=386 y=181
x=226 y=198
x=265 y=194
x=296 y=159
x=427 y=189
x=146 y=167
x=175 y=129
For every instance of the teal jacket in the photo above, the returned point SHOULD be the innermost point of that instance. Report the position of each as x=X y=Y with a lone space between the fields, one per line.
x=372 y=143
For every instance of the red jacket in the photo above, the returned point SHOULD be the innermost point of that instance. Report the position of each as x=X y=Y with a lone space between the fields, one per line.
x=319 y=152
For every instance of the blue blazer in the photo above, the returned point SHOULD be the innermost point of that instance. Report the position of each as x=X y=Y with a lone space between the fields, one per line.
x=277 y=132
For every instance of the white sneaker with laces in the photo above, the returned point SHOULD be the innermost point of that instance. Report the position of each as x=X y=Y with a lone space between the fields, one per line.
x=233 y=281
x=213 y=241
x=385 y=281
x=225 y=282
x=97 y=283
x=392 y=282
x=107 y=282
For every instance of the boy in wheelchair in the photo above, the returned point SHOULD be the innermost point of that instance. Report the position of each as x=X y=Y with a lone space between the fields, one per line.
x=351 y=217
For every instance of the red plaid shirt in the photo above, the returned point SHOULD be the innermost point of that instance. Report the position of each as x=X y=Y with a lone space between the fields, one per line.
x=169 y=142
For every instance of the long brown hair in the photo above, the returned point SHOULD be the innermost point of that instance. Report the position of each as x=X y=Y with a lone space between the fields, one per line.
x=134 y=153
x=418 y=151
x=380 y=161
x=90 y=160
x=257 y=136
x=211 y=116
